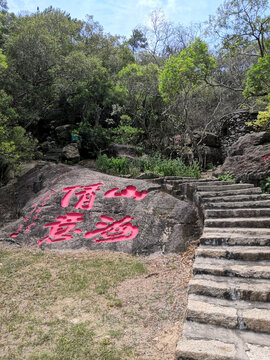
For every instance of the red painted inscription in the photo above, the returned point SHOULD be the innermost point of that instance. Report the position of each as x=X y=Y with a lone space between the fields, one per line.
x=110 y=230
x=129 y=192
x=44 y=198
x=87 y=196
x=265 y=158
x=61 y=230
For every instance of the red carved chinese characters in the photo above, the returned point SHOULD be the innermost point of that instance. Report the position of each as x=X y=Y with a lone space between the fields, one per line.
x=110 y=230
x=34 y=213
x=44 y=199
x=61 y=230
x=87 y=196
x=129 y=192
x=265 y=158
x=29 y=228
x=17 y=232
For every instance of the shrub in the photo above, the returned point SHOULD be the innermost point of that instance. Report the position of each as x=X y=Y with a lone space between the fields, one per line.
x=262 y=123
x=226 y=177
x=265 y=185
x=113 y=166
x=93 y=139
x=157 y=165
x=168 y=167
x=125 y=133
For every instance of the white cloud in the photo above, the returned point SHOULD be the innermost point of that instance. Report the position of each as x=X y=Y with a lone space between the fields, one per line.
x=150 y=3
x=171 y=4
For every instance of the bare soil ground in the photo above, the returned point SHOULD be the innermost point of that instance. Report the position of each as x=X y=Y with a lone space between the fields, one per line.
x=91 y=305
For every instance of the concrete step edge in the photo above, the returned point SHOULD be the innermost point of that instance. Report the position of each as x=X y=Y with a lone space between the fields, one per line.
x=192 y=349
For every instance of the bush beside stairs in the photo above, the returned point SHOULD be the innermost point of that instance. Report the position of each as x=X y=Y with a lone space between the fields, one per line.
x=228 y=311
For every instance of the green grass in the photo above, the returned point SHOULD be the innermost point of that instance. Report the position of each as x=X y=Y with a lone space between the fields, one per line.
x=57 y=306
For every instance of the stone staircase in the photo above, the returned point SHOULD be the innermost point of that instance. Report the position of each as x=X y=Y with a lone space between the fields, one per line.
x=228 y=312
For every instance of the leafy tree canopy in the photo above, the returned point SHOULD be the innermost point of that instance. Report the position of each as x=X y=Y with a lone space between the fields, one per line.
x=181 y=73
x=257 y=80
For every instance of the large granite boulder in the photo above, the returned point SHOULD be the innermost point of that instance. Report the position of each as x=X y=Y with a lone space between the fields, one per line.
x=249 y=158
x=56 y=206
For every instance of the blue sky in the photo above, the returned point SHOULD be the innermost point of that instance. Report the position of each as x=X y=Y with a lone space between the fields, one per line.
x=120 y=17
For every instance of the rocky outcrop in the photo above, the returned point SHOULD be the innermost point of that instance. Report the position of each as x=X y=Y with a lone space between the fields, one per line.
x=249 y=158
x=203 y=147
x=228 y=312
x=128 y=151
x=56 y=206
x=207 y=148
x=233 y=127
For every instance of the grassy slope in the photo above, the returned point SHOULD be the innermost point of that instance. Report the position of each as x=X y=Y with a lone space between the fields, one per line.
x=90 y=305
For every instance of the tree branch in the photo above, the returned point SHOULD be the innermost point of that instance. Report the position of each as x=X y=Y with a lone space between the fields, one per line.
x=222 y=85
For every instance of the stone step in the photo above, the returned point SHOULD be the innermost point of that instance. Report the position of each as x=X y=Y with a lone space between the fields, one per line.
x=225 y=193
x=192 y=349
x=191 y=181
x=208 y=182
x=228 y=312
x=256 y=320
x=208 y=313
x=231 y=288
x=236 y=198
x=252 y=204
x=237 y=304
x=245 y=253
x=248 y=212
x=242 y=231
x=253 y=222
x=229 y=317
x=226 y=187
x=221 y=267
x=248 y=345
x=228 y=239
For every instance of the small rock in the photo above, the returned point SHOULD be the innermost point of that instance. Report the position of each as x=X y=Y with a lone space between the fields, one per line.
x=71 y=152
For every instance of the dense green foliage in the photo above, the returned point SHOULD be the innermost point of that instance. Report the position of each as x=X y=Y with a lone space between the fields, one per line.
x=113 y=166
x=147 y=164
x=182 y=73
x=163 y=81
x=15 y=144
x=265 y=185
x=125 y=133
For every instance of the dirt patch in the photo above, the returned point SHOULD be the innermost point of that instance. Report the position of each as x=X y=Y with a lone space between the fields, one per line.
x=154 y=305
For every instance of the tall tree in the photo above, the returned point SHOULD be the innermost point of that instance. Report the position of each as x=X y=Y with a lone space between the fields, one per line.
x=34 y=47
x=182 y=73
x=240 y=22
